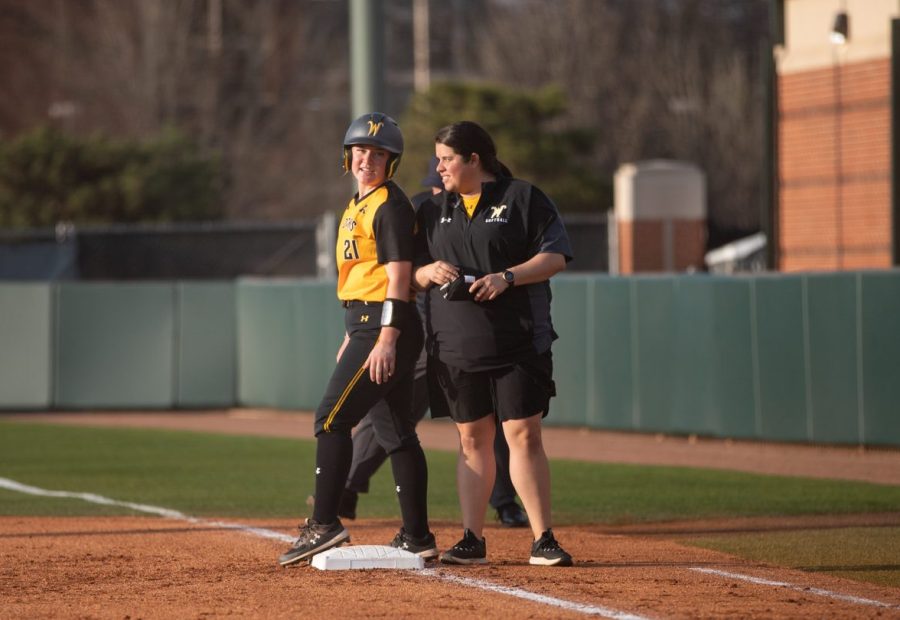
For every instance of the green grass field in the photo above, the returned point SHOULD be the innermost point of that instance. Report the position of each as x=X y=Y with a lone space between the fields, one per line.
x=231 y=476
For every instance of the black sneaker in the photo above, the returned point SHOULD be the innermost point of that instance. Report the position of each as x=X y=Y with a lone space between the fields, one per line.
x=424 y=547
x=469 y=550
x=314 y=538
x=512 y=515
x=546 y=552
x=347 y=505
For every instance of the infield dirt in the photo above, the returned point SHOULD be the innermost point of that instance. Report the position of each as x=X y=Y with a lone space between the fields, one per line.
x=140 y=567
x=132 y=567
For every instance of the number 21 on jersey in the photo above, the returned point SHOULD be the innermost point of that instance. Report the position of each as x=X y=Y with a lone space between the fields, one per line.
x=351 y=251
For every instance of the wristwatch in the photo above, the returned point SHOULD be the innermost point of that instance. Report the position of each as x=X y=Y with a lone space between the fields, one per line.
x=509 y=277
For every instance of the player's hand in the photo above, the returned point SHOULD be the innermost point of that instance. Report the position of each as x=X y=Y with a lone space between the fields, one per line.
x=382 y=360
x=488 y=287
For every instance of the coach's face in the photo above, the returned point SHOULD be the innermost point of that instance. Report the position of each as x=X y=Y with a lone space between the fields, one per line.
x=369 y=165
x=458 y=175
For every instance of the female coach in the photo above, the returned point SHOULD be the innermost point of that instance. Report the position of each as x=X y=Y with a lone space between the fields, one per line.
x=491 y=245
x=381 y=345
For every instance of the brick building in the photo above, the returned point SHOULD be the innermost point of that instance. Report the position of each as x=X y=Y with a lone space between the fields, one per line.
x=836 y=205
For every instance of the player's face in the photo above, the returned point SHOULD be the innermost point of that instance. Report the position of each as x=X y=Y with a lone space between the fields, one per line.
x=369 y=165
x=457 y=174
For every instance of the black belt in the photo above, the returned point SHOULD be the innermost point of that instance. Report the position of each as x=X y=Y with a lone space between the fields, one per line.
x=352 y=303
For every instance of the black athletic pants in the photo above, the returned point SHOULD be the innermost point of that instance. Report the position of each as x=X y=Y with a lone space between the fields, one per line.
x=349 y=396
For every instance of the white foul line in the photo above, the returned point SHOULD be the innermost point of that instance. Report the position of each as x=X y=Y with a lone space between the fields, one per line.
x=93 y=498
x=590 y=610
x=783 y=584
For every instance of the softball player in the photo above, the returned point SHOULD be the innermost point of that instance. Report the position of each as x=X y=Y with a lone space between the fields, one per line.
x=491 y=246
x=382 y=342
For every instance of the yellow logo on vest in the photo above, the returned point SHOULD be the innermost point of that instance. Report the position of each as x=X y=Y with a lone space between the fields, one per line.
x=497 y=215
x=374 y=128
x=364 y=318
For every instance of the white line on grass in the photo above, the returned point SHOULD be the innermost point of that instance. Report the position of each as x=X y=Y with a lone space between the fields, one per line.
x=783 y=584
x=93 y=498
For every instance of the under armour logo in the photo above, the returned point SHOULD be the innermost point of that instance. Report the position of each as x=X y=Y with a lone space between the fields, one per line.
x=398 y=488
x=374 y=128
x=318 y=470
x=445 y=220
x=364 y=318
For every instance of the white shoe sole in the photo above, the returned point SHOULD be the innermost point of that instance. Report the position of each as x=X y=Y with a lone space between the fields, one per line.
x=539 y=561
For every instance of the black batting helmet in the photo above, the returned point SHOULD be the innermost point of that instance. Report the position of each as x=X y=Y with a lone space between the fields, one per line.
x=379 y=130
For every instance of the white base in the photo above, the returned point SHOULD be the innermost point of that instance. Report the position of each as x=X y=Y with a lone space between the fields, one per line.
x=366 y=556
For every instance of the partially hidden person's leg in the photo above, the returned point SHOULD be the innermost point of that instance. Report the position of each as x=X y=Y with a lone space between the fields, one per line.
x=368 y=455
x=503 y=492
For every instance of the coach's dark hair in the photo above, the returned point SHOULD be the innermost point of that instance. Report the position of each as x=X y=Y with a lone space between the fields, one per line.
x=466 y=137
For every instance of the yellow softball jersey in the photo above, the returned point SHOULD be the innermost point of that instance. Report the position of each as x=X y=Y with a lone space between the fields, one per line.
x=375 y=229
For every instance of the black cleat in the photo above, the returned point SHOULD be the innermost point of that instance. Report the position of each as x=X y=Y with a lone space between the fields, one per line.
x=314 y=538
x=424 y=547
x=469 y=550
x=546 y=552
x=512 y=515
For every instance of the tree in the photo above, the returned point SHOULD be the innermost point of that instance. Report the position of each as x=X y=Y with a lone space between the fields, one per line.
x=650 y=79
x=523 y=126
x=47 y=177
x=260 y=83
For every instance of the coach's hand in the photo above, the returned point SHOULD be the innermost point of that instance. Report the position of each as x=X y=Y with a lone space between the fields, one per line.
x=488 y=287
x=439 y=272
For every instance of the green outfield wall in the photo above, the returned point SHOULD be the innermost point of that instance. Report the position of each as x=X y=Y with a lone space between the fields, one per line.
x=805 y=358
x=288 y=335
x=26 y=315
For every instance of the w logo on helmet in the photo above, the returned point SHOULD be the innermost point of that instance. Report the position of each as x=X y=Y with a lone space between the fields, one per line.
x=374 y=128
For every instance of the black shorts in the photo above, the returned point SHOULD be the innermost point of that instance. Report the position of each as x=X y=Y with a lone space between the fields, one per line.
x=513 y=392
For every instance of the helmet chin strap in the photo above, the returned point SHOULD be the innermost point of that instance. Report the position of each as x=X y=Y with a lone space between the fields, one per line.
x=392 y=166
